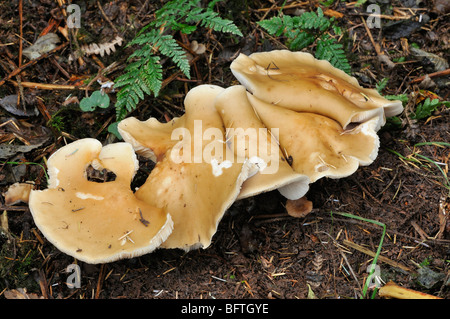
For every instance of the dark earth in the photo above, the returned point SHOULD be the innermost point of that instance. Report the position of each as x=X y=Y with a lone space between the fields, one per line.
x=259 y=251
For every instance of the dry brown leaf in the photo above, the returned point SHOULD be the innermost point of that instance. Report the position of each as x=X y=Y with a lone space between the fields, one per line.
x=443 y=217
x=42 y=45
x=299 y=207
x=392 y=290
x=99 y=49
x=20 y=293
x=333 y=13
x=18 y=192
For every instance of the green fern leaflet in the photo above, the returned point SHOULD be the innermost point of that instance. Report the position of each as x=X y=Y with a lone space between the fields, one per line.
x=302 y=31
x=143 y=76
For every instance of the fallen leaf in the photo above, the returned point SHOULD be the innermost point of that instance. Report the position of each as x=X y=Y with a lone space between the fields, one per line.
x=442 y=6
x=32 y=135
x=18 y=192
x=428 y=278
x=440 y=64
x=299 y=207
x=4 y=226
x=20 y=293
x=392 y=290
x=8 y=150
x=42 y=45
x=9 y=103
x=443 y=216
x=311 y=294
x=333 y=13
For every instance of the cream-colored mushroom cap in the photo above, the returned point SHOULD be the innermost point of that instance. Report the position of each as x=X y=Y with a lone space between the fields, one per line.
x=196 y=188
x=249 y=138
x=96 y=222
x=317 y=145
x=298 y=81
x=149 y=138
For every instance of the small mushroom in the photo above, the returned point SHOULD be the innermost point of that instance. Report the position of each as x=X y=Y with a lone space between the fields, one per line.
x=317 y=145
x=298 y=81
x=249 y=138
x=299 y=208
x=97 y=222
x=199 y=178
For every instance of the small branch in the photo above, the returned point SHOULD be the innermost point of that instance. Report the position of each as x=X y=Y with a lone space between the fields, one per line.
x=21 y=31
x=372 y=254
x=375 y=45
x=32 y=62
x=47 y=86
x=106 y=17
x=434 y=74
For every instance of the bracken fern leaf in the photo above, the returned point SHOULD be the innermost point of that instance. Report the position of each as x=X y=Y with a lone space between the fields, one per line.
x=302 y=31
x=144 y=73
x=143 y=76
x=328 y=49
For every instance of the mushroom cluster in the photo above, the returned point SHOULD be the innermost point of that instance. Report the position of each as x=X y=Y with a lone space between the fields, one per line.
x=292 y=121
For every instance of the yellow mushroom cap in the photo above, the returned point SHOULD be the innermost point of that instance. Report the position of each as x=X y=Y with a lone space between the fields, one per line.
x=96 y=222
x=199 y=188
x=298 y=81
x=250 y=139
x=149 y=138
x=318 y=145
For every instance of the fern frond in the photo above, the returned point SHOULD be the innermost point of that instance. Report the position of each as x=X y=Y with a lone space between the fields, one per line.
x=144 y=73
x=140 y=77
x=169 y=47
x=299 y=31
x=300 y=40
x=302 y=31
x=328 y=49
x=312 y=20
x=212 y=20
x=274 y=26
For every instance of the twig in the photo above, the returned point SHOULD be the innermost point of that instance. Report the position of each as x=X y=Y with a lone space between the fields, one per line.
x=20 y=31
x=173 y=76
x=434 y=74
x=43 y=110
x=366 y=191
x=336 y=244
x=388 y=185
x=32 y=62
x=47 y=86
x=375 y=45
x=289 y=6
x=106 y=17
x=419 y=230
x=372 y=254
x=100 y=281
x=381 y=16
x=43 y=284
